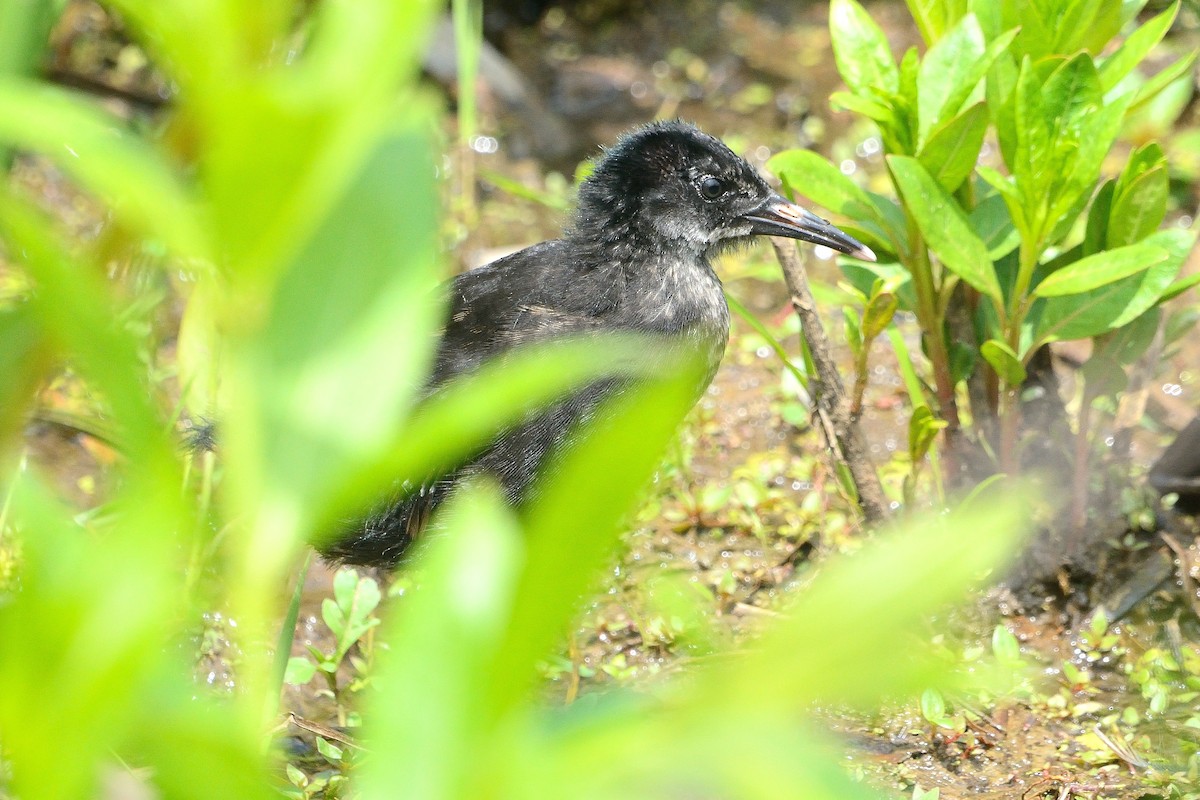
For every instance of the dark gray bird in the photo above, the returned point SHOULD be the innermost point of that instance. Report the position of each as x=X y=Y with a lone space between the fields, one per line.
x=658 y=207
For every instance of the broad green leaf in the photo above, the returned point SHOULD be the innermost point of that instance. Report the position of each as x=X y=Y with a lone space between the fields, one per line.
x=624 y=445
x=993 y=224
x=299 y=671
x=932 y=559
x=129 y=177
x=949 y=73
x=1139 y=208
x=811 y=175
x=24 y=31
x=944 y=226
x=1085 y=163
x=1136 y=47
x=1110 y=18
x=326 y=336
x=1004 y=361
x=1100 y=269
x=967 y=79
x=861 y=49
x=1115 y=304
x=933 y=17
x=444 y=640
x=953 y=148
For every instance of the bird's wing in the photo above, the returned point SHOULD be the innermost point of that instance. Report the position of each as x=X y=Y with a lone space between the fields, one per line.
x=535 y=295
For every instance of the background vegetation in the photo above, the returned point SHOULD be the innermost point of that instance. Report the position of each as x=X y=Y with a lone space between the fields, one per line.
x=287 y=211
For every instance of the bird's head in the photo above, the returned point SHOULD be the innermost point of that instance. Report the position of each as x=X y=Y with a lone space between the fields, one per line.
x=688 y=191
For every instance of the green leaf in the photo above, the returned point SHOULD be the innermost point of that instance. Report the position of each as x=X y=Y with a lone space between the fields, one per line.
x=878 y=314
x=861 y=49
x=299 y=671
x=923 y=429
x=1136 y=47
x=1139 y=208
x=142 y=190
x=1096 y=235
x=871 y=109
x=944 y=226
x=993 y=224
x=933 y=706
x=1117 y=303
x=1161 y=80
x=1012 y=198
x=1100 y=269
x=811 y=175
x=24 y=31
x=933 y=17
x=329 y=750
x=326 y=336
x=25 y=356
x=444 y=638
x=952 y=149
x=853 y=330
x=1005 y=647
x=1004 y=361
x=950 y=71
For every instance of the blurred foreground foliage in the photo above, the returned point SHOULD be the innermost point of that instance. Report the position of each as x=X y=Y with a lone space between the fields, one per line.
x=289 y=197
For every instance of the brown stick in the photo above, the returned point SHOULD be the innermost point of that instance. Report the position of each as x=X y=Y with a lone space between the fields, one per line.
x=829 y=393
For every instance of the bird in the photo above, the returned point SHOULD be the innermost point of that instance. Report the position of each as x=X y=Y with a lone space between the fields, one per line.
x=637 y=257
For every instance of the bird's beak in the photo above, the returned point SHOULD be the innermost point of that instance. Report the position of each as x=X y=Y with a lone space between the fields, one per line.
x=780 y=217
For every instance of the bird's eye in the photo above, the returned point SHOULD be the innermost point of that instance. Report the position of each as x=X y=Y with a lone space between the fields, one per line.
x=711 y=188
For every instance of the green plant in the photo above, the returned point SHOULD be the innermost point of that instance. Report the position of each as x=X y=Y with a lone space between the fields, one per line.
x=350 y=617
x=995 y=265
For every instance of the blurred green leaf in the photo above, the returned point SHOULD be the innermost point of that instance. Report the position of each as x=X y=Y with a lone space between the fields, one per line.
x=299 y=671
x=141 y=188
x=363 y=283
x=24 y=32
x=931 y=562
x=861 y=49
x=952 y=149
x=1099 y=270
x=432 y=712
x=1161 y=80
x=933 y=17
x=1136 y=47
x=945 y=228
x=1006 y=647
x=923 y=428
x=1004 y=361
x=867 y=107
x=878 y=313
x=25 y=354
